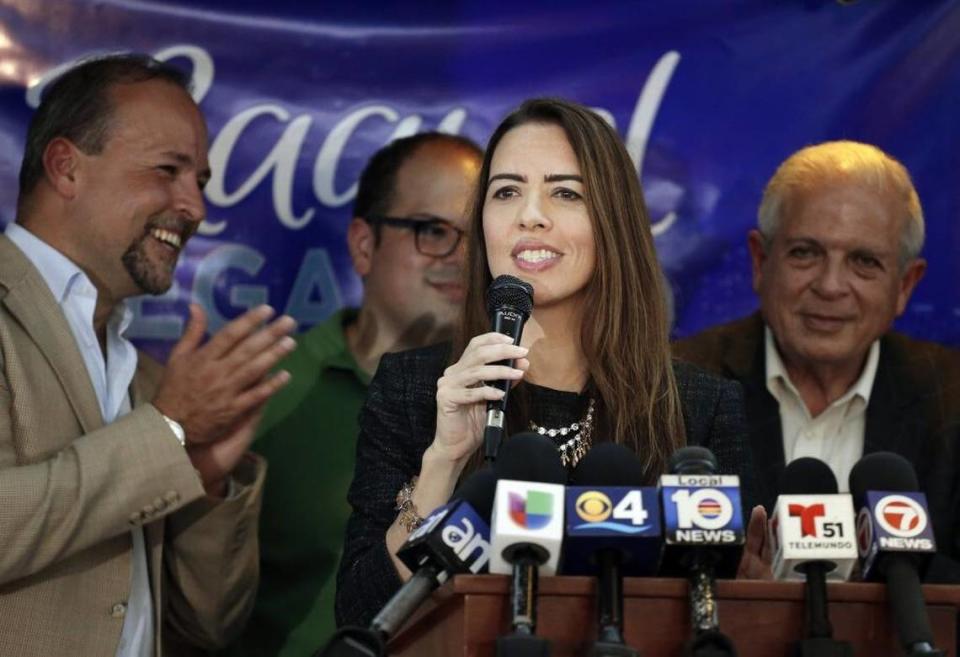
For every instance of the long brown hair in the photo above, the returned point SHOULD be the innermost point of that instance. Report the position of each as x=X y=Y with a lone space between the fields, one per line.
x=625 y=336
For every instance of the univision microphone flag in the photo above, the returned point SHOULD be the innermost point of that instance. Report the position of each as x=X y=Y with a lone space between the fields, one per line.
x=526 y=512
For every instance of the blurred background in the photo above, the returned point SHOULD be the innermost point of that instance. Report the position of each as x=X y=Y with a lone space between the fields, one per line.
x=709 y=96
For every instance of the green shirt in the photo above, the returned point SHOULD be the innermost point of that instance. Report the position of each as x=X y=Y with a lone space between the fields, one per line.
x=308 y=436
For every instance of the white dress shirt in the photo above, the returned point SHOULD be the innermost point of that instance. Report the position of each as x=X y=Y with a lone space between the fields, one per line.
x=835 y=436
x=111 y=380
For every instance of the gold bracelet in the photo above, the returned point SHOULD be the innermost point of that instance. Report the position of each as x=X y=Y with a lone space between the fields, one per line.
x=408 y=517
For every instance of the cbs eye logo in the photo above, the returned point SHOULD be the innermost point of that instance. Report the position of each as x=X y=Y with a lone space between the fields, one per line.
x=593 y=506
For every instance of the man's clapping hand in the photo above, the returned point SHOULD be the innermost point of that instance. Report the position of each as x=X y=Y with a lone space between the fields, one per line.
x=217 y=390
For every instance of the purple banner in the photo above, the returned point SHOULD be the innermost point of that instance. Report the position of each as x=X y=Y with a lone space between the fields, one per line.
x=708 y=96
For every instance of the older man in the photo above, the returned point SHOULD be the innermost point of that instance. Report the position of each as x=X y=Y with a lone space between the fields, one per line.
x=405 y=243
x=835 y=259
x=127 y=506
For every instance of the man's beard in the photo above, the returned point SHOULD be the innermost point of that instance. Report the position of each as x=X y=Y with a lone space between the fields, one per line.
x=152 y=278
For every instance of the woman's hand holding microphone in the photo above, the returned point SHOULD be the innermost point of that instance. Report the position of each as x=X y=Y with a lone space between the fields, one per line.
x=462 y=394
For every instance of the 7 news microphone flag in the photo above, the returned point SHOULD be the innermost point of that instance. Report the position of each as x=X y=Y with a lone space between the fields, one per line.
x=895 y=541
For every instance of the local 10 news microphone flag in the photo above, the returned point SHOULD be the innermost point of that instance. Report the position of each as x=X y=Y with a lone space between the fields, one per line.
x=526 y=532
x=453 y=539
x=895 y=541
x=813 y=536
x=703 y=533
x=612 y=530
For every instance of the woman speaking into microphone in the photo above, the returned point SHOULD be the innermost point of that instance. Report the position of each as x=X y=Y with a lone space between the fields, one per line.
x=559 y=206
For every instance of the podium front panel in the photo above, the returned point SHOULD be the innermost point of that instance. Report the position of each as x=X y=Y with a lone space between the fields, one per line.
x=763 y=618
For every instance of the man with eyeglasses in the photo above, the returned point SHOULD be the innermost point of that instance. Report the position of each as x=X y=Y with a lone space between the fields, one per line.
x=405 y=243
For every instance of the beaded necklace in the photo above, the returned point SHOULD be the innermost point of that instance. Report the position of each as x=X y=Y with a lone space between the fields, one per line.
x=571 y=449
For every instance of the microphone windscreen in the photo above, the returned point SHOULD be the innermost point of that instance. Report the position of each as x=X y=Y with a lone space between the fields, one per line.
x=510 y=291
x=609 y=464
x=529 y=456
x=478 y=490
x=882 y=471
x=808 y=476
x=693 y=460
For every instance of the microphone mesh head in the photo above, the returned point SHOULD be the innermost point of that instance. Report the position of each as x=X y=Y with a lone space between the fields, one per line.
x=609 y=464
x=529 y=456
x=693 y=460
x=511 y=292
x=478 y=490
x=808 y=476
x=884 y=471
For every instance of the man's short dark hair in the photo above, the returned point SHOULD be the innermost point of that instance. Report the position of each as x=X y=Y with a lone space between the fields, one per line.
x=77 y=106
x=376 y=188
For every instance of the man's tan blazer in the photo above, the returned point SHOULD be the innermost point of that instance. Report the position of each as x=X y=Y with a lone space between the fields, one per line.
x=71 y=489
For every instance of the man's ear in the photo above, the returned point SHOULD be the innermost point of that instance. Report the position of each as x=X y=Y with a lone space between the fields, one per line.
x=361 y=242
x=61 y=161
x=912 y=274
x=757 y=244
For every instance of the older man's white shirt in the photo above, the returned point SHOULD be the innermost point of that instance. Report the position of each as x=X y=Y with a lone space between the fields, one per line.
x=835 y=436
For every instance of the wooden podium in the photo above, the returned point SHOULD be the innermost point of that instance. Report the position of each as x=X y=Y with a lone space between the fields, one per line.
x=763 y=618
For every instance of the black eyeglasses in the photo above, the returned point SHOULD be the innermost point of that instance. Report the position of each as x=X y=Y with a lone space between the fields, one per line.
x=433 y=237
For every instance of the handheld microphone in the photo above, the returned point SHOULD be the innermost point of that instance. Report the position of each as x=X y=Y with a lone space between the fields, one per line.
x=895 y=541
x=509 y=302
x=527 y=531
x=612 y=529
x=453 y=539
x=703 y=535
x=812 y=530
